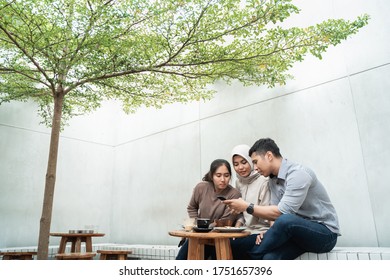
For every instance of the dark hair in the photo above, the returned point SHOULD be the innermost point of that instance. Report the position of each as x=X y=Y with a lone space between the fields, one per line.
x=264 y=145
x=213 y=168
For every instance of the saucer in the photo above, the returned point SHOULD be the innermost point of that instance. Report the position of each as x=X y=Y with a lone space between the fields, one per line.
x=195 y=228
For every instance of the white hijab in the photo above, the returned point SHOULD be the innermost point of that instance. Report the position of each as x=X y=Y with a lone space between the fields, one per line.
x=243 y=151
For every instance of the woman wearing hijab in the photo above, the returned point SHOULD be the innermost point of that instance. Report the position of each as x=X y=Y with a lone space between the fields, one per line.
x=254 y=189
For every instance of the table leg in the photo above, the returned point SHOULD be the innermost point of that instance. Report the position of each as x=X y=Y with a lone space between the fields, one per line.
x=223 y=249
x=88 y=244
x=61 y=248
x=195 y=249
x=77 y=248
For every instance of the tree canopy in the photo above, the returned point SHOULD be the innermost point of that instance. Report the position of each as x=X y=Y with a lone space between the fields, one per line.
x=144 y=52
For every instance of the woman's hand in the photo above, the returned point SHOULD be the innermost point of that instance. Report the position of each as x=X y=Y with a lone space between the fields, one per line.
x=259 y=237
x=238 y=224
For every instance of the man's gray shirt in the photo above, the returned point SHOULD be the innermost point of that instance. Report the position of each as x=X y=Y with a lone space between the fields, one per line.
x=296 y=190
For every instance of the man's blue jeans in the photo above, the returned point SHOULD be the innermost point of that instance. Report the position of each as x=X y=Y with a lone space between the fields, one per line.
x=290 y=236
x=241 y=247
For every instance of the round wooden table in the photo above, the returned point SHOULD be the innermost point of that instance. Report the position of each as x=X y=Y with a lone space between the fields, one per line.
x=76 y=239
x=197 y=240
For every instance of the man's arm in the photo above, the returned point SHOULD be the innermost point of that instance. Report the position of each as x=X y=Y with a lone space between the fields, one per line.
x=270 y=212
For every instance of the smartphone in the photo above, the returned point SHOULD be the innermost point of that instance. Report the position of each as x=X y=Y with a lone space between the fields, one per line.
x=221 y=197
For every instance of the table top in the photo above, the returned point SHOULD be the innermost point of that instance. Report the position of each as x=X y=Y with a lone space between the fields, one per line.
x=67 y=234
x=208 y=235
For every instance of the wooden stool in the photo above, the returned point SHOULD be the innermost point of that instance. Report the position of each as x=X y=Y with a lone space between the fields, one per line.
x=75 y=256
x=113 y=254
x=18 y=255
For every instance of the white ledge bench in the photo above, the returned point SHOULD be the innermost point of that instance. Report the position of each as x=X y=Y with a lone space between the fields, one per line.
x=169 y=252
x=350 y=253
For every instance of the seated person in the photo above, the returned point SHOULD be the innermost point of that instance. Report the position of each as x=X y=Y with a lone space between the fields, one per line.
x=305 y=218
x=205 y=203
x=254 y=189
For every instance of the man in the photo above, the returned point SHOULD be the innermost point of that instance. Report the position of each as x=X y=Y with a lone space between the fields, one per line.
x=305 y=219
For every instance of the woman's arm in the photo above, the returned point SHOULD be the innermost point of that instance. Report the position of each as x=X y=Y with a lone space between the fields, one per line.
x=193 y=205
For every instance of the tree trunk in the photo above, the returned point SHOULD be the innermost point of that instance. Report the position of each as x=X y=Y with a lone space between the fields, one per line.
x=45 y=222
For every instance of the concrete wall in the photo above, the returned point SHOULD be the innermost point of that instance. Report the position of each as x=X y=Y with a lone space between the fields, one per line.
x=131 y=176
x=84 y=174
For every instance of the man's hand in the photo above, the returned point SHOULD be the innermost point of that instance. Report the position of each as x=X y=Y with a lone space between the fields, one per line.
x=237 y=205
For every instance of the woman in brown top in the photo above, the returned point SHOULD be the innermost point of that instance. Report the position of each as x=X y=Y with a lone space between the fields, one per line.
x=205 y=203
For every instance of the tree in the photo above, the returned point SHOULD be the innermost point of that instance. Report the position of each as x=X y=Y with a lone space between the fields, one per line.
x=69 y=56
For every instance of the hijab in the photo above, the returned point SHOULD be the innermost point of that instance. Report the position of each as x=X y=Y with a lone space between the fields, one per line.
x=243 y=151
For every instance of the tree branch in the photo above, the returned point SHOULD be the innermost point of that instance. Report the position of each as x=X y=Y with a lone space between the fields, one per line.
x=42 y=71
x=22 y=73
